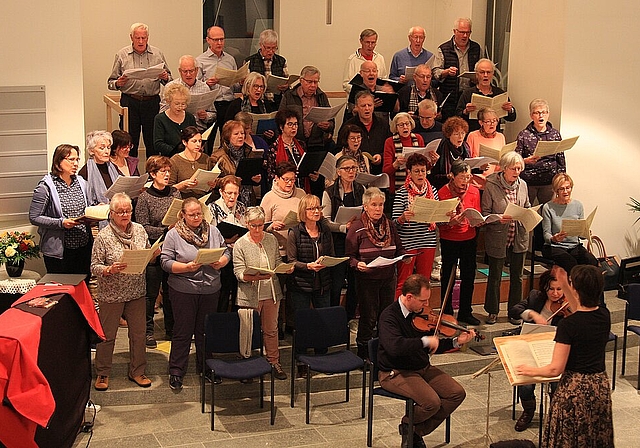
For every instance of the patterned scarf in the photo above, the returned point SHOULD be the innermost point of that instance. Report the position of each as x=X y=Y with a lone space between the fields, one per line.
x=125 y=237
x=511 y=191
x=198 y=237
x=379 y=233
x=414 y=191
x=246 y=106
x=363 y=167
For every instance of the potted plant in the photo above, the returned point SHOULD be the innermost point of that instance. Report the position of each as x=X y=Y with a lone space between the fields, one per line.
x=15 y=248
x=635 y=206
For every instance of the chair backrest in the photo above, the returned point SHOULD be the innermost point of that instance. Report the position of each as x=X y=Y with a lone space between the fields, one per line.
x=321 y=328
x=222 y=333
x=633 y=298
x=373 y=357
x=537 y=241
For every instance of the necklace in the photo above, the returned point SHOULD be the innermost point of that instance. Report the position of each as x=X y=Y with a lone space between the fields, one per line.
x=193 y=162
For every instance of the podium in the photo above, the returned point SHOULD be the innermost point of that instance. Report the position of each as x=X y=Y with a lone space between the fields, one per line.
x=45 y=366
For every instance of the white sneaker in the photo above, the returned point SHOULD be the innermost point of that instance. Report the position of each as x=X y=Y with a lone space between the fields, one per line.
x=435 y=274
x=91 y=406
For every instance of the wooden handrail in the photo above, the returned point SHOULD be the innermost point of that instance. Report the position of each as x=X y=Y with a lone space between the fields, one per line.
x=112 y=102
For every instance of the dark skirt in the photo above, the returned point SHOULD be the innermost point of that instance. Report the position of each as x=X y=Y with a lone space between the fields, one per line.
x=580 y=415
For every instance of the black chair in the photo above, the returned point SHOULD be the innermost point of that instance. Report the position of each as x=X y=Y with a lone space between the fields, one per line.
x=632 y=312
x=379 y=391
x=322 y=329
x=535 y=255
x=222 y=336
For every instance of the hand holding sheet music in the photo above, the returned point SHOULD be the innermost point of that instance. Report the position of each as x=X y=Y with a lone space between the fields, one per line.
x=495 y=103
x=131 y=185
x=319 y=114
x=579 y=227
x=528 y=217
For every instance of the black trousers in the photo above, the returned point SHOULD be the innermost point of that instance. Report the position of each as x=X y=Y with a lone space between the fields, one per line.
x=141 y=116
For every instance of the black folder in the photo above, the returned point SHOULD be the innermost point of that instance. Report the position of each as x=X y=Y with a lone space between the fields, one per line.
x=228 y=230
x=310 y=162
x=247 y=168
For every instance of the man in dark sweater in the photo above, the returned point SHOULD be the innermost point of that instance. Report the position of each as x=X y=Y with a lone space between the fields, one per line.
x=403 y=358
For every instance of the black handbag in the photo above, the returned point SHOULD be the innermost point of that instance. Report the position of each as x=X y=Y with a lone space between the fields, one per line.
x=608 y=263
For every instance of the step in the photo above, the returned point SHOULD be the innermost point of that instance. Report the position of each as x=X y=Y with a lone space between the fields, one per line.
x=122 y=391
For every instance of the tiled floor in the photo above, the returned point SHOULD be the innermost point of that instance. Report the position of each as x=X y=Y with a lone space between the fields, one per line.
x=242 y=424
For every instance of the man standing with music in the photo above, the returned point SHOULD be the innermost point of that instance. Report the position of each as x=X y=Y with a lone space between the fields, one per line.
x=403 y=358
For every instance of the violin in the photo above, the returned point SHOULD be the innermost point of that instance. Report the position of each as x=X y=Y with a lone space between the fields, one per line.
x=561 y=307
x=427 y=321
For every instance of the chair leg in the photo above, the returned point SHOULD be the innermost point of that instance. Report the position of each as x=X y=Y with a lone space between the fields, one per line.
x=212 y=402
x=273 y=406
x=370 y=410
x=364 y=389
x=202 y=389
x=513 y=402
x=624 y=340
x=308 y=393
x=615 y=361
x=261 y=391
x=638 y=387
x=346 y=397
x=409 y=409
x=447 y=430
x=293 y=378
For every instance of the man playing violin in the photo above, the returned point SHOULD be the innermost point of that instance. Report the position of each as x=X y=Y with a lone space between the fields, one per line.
x=403 y=357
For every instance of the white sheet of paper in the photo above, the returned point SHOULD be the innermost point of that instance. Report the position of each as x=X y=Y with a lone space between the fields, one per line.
x=318 y=114
x=291 y=219
x=346 y=214
x=579 y=227
x=382 y=261
x=328 y=167
x=331 y=261
x=471 y=76
x=475 y=218
x=273 y=82
x=203 y=101
x=281 y=269
x=431 y=210
x=373 y=180
x=132 y=185
x=494 y=103
x=208 y=256
x=227 y=77
x=553 y=147
x=496 y=153
x=152 y=72
x=528 y=217
x=408 y=73
x=205 y=176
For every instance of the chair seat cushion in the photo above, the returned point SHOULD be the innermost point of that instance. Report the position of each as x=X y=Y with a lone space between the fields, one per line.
x=385 y=393
x=634 y=328
x=336 y=362
x=239 y=369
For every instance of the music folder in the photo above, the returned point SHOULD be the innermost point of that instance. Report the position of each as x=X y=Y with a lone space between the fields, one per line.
x=310 y=162
x=247 y=168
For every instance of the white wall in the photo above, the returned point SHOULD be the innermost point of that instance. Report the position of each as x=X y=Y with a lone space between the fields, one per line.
x=175 y=26
x=577 y=56
x=32 y=53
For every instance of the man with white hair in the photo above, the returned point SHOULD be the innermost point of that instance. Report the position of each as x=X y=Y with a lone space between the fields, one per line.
x=412 y=56
x=189 y=78
x=453 y=58
x=141 y=96
x=267 y=62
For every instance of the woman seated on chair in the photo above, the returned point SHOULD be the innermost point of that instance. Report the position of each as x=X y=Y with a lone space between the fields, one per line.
x=540 y=308
x=566 y=251
x=580 y=413
x=261 y=292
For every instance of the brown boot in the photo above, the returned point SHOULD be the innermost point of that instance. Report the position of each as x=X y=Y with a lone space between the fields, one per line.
x=529 y=410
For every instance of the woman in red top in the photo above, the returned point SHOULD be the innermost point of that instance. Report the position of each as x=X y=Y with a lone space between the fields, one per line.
x=393 y=160
x=458 y=239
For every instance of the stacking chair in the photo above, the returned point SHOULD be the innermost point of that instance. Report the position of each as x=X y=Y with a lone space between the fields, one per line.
x=379 y=391
x=537 y=241
x=632 y=312
x=222 y=336
x=324 y=329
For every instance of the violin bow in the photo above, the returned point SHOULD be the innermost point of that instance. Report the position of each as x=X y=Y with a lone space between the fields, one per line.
x=452 y=279
x=559 y=310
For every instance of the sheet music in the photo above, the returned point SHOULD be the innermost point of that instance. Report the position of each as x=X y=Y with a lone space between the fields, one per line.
x=152 y=72
x=131 y=185
x=331 y=261
x=495 y=103
x=318 y=114
x=528 y=217
x=544 y=148
x=373 y=180
x=273 y=82
x=138 y=259
x=209 y=256
x=408 y=73
x=227 y=77
x=261 y=117
x=578 y=227
x=346 y=214
x=328 y=167
x=431 y=210
x=203 y=101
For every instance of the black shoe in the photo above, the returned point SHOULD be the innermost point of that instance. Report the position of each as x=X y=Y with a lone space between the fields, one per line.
x=403 y=429
x=217 y=379
x=151 y=341
x=175 y=382
x=278 y=373
x=469 y=319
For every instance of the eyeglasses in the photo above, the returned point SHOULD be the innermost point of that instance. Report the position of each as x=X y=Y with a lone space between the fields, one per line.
x=467 y=33
x=565 y=188
x=216 y=39
x=188 y=71
x=123 y=213
x=349 y=169
x=310 y=81
x=317 y=208
x=288 y=180
x=194 y=215
x=419 y=171
x=485 y=72
x=256 y=226
x=371 y=70
x=425 y=76
x=292 y=124
x=355 y=139
x=257 y=87
x=270 y=47
x=230 y=193
x=492 y=121
x=540 y=112
x=422 y=117
x=404 y=124
x=72 y=159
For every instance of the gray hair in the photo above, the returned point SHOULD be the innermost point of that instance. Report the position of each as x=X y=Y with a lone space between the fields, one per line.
x=187 y=57
x=428 y=105
x=538 y=102
x=493 y=66
x=268 y=37
x=139 y=25
x=482 y=113
x=254 y=214
x=413 y=29
x=460 y=20
x=371 y=193
x=250 y=80
x=394 y=123
x=95 y=137
x=119 y=199
x=309 y=70
x=510 y=159
x=174 y=88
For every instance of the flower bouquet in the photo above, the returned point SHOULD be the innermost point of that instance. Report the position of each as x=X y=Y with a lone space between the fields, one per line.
x=15 y=248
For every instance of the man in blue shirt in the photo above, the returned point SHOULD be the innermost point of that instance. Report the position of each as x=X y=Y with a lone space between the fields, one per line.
x=412 y=56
